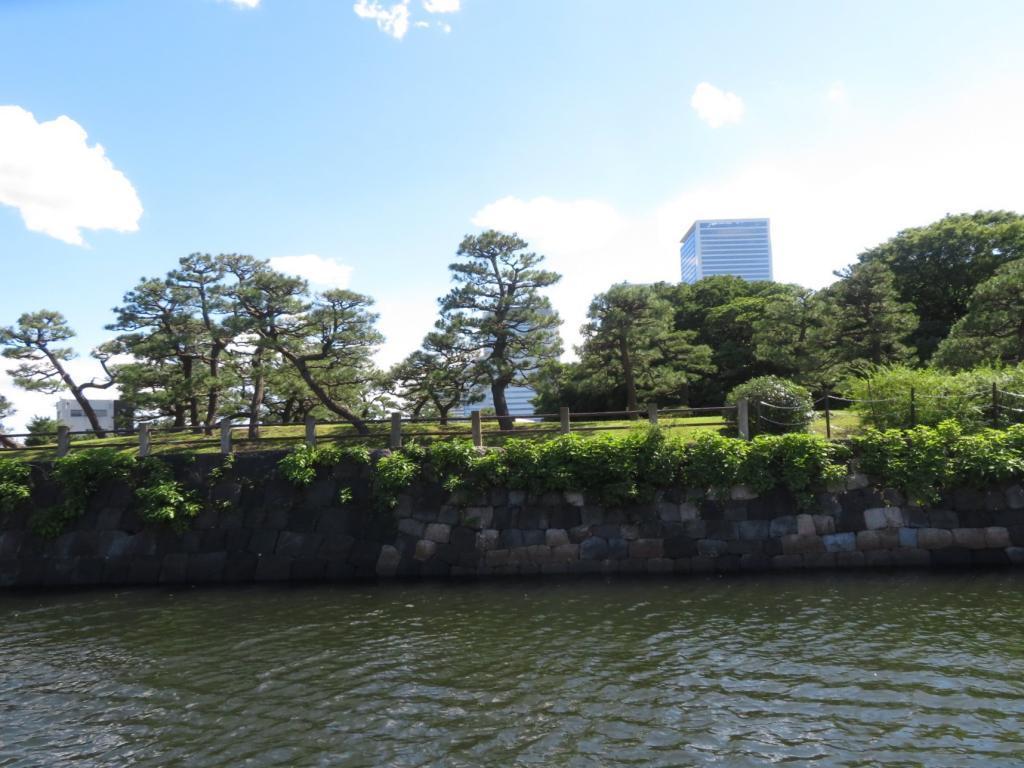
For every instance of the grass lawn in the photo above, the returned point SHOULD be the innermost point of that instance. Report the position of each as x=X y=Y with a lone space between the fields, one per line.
x=844 y=423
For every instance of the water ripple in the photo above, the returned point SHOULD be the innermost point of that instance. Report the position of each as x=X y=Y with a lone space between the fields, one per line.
x=910 y=670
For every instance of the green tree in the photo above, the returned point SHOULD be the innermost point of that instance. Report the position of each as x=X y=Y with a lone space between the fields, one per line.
x=789 y=335
x=993 y=328
x=6 y=410
x=35 y=343
x=498 y=315
x=866 y=321
x=630 y=336
x=938 y=266
x=41 y=430
x=438 y=377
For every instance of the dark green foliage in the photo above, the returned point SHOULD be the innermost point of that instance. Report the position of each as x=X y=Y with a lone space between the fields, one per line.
x=938 y=266
x=41 y=431
x=161 y=498
x=14 y=484
x=776 y=405
x=79 y=475
x=300 y=465
x=802 y=464
x=712 y=462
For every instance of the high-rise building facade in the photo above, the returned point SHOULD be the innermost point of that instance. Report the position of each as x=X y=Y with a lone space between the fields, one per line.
x=741 y=247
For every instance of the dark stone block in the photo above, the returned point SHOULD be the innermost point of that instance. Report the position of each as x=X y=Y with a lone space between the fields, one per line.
x=463 y=539
x=534 y=538
x=990 y=557
x=594 y=548
x=10 y=544
x=755 y=562
x=607 y=531
x=208 y=517
x=720 y=529
x=232 y=518
x=749 y=547
x=144 y=570
x=254 y=517
x=435 y=567
x=273 y=568
x=975 y=518
x=943 y=518
x=236 y=540
x=712 y=510
x=277 y=518
x=276 y=494
x=727 y=564
x=736 y=510
x=447 y=554
x=995 y=501
x=335 y=521
x=773 y=547
x=295 y=544
x=951 y=557
x=205 y=567
x=337 y=547
x=1016 y=535
x=118 y=570
x=191 y=541
x=109 y=518
x=174 y=568
x=240 y=569
x=407 y=567
x=680 y=546
x=618 y=548
x=968 y=499
x=695 y=529
x=88 y=571
x=309 y=569
x=322 y=492
x=503 y=518
x=510 y=539
x=10 y=569
x=533 y=517
x=916 y=517
x=753 y=530
x=850 y=521
x=264 y=541
x=564 y=517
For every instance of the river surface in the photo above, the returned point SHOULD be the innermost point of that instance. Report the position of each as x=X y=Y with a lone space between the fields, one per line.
x=845 y=670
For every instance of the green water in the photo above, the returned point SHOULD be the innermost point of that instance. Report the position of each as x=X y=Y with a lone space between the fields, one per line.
x=855 y=670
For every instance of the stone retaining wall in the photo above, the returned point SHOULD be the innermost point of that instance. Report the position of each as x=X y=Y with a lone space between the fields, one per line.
x=257 y=527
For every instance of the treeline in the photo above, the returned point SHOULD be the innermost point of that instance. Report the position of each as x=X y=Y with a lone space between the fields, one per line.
x=227 y=336
x=950 y=294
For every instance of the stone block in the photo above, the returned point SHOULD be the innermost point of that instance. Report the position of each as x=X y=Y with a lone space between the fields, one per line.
x=510 y=538
x=754 y=562
x=534 y=537
x=990 y=558
x=618 y=549
x=742 y=493
x=497 y=557
x=680 y=546
x=969 y=538
x=573 y=498
x=856 y=481
x=294 y=544
x=850 y=560
x=951 y=557
x=798 y=544
x=934 y=538
x=734 y=547
x=997 y=537
x=632 y=565
x=172 y=570
x=735 y=511
x=538 y=553
x=1016 y=535
x=701 y=564
x=564 y=517
x=660 y=565
x=411 y=527
x=968 y=499
x=783 y=526
x=712 y=547
x=554 y=568
x=487 y=540
x=439 y=532
x=915 y=517
x=820 y=560
x=590 y=515
x=108 y=544
x=869 y=541
x=850 y=520
x=669 y=512
x=908 y=537
x=1015 y=497
x=516 y=498
x=1015 y=555
x=579 y=533
x=463 y=539
x=388 y=560
x=995 y=501
x=878 y=558
x=647 y=548
x=840 y=542
x=911 y=557
x=787 y=562
x=556 y=537
x=565 y=552
x=240 y=569
x=976 y=518
x=205 y=567
x=720 y=529
x=447 y=514
x=824 y=524
x=425 y=549
x=753 y=530
x=805 y=525
x=273 y=568
x=688 y=511
x=629 y=532
x=695 y=529
x=883 y=517
x=478 y=517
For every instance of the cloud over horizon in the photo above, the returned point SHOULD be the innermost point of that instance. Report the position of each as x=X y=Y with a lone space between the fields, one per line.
x=392 y=20
x=320 y=272
x=715 y=106
x=59 y=183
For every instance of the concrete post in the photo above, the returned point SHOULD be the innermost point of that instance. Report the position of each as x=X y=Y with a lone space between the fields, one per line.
x=652 y=413
x=478 y=431
x=396 y=431
x=310 y=432
x=63 y=441
x=563 y=417
x=225 y=437
x=144 y=446
x=743 y=417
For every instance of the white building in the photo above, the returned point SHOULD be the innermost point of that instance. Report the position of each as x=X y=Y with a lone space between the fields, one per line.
x=70 y=414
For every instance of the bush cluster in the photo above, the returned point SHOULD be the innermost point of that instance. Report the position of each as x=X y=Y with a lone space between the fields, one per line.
x=965 y=397
x=14 y=484
x=777 y=405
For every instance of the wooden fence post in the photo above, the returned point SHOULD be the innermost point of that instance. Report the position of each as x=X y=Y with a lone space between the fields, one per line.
x=225 y=437
x=478 y=431
x=144 y=446
x=913 y=409
x=743 y=417
x=310 y=432
x=396 y=431
x=652 y=413
x=828 y=415
x=563 y=417
x=63 y=441
x=995 y=406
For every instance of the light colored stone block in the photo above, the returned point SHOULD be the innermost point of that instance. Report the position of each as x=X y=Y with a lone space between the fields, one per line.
x=856 y=481
x=388 y=560
x=688 y=511
x=425 y=549
x=438 y=532
x=934 y=538
x=971 y=538
x=487 y=539
x=798 y=544
x=805 y=525
x=840 y=542
x=908 y=537
x=824 y=524
x=997 y=537
x=556 y=537
x=573 y=498
x=742 y=493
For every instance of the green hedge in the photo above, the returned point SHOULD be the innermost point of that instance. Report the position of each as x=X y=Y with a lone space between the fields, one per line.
x=777 y=405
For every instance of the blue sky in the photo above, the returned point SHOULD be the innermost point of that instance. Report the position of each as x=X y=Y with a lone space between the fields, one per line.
x=369 y=137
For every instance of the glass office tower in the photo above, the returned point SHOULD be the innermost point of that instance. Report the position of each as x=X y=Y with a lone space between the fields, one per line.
x=741 y=247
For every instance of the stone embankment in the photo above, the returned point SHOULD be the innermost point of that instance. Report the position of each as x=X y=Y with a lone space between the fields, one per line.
x=257 y=527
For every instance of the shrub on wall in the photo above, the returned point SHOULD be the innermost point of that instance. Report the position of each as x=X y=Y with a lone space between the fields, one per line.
x=14 y=484
x=777 y=405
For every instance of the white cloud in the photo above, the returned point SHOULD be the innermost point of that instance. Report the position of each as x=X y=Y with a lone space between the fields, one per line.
x=715 y=106
x=322 y=273
x=59 y=183
x=837 y=95
x=422 y=24
x=441 y=6
x=243 y=3
x=393 y=20
x=826 y=203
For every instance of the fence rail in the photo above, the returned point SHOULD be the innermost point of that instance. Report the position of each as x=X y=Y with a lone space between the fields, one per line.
x=391 y=432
